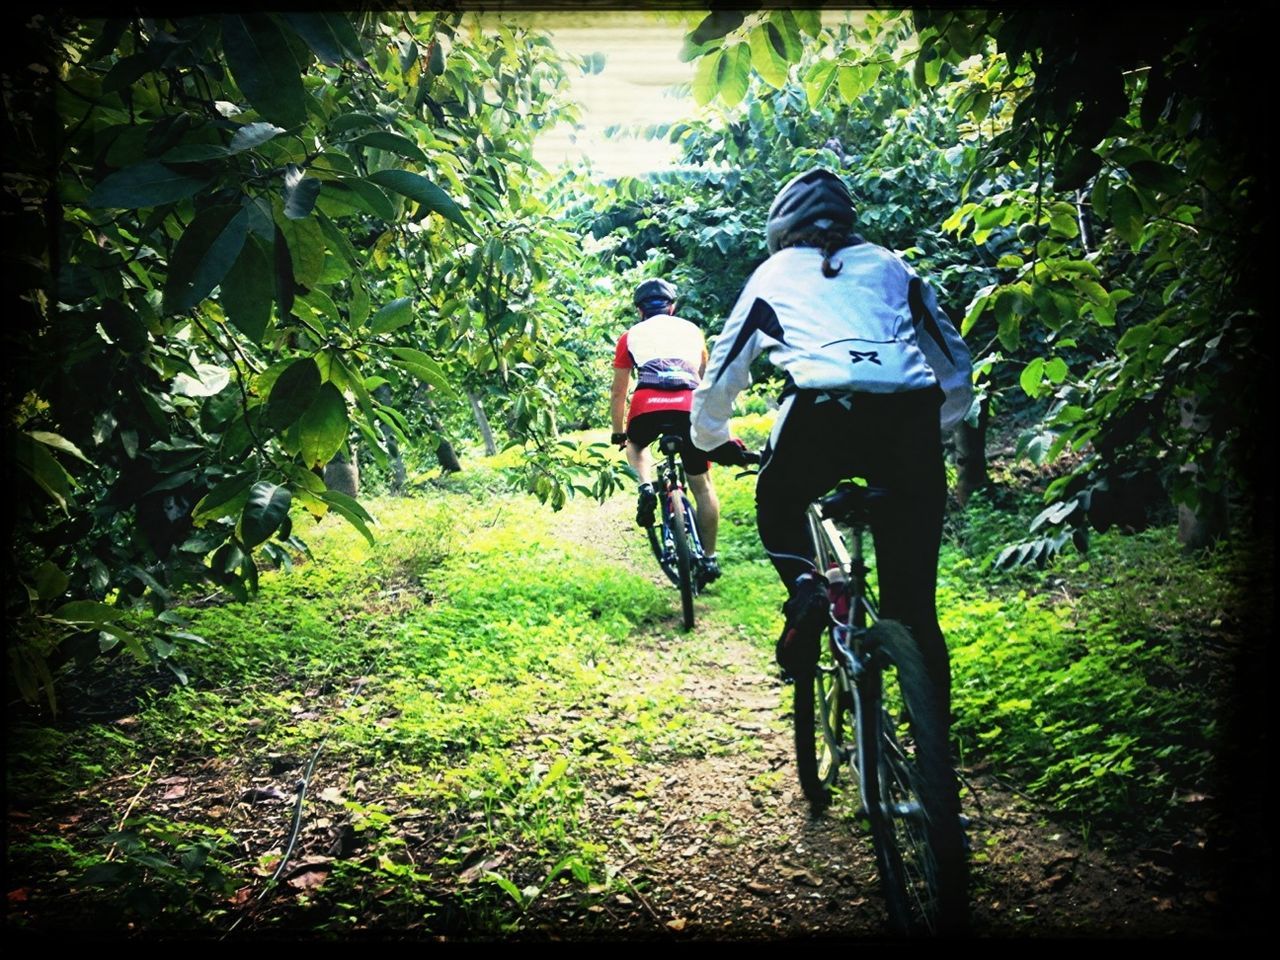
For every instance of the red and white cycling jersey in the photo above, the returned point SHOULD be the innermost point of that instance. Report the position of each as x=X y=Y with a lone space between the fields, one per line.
x=667 y=354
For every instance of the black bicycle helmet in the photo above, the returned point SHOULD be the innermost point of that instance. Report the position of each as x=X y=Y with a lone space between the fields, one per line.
x=815 y=200
x=654 y=294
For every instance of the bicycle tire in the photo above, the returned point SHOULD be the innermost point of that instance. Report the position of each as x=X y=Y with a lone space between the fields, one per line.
x=819 y=711
x=684 y=557
x=910 y=790
x=818 y=704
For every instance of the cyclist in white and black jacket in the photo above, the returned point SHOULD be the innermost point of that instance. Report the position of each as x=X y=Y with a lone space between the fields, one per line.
x=875 y=372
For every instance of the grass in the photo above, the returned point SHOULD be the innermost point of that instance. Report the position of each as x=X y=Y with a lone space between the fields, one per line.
x=495 y=665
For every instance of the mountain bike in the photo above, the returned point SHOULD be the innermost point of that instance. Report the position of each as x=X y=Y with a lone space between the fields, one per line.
x=870 y=706
x=675 y=540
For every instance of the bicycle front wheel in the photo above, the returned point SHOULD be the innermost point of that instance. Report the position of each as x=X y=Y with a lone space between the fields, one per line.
x=680 y=521
x=910 y=790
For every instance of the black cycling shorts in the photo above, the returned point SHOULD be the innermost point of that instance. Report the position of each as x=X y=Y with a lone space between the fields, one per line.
x=647 y=427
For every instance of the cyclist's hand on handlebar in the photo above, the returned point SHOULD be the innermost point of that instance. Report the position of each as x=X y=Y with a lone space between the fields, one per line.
x=619 y=440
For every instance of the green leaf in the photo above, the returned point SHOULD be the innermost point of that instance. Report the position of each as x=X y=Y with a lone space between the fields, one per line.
x=315 y=30
x=145 y=184
x=392 y=142
x=247 y=290
x=58 y=443
x=352 y=121
x=765 y=42
x=253 y=135
x=38 y=463
x=265 y=510
x=292 y=393
x=422 y=367
x=1032 y=377
x=226 y=499
x=1091 y=289
x=715 y=25
x=320 y=302
x=362 y=195
x=88 y=611
x=392 y=316
x=323 y=428
x=204 y=254
x=818 y=82
x=300 y=193
x=50 y=581
x=264 y=68
x=349 y=510
x=1127 y=215
x=1056 y=370
x=305 y=242
x=1156 y=176
x=809 y=20
x=416 y=187
x=704 y=78
x=735 y=73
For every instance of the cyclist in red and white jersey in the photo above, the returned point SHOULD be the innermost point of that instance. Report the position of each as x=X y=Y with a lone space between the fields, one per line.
x=667 y=355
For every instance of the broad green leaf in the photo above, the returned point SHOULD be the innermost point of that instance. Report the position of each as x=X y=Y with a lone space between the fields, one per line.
x=349 y=510
x=818 y=81
x=735 y=73
x=715 y=25
x=352 y=121
x=265 y=510
x=416 y=187
x=392 y=316
x=808 y=20
x=292 y=393
x=58 y=443
x=1032 y=376
x=1156 y=176
x=422 y=367
x=323 y=427
x=1126 y=214
x=361 y=195
x=88 y=611
x=253 y=135
x=765 y=57
x=300 y=193
x=306 y=246
x=358 y=309
x=342 y=30
x=194 y=153
x=338 y=242
x=322 y=303
x=1056 y=370
x=392 y=142
x=248 y=289
x=204 y=254
x=226 y=499
x=1091 y=289
x=50 y=581
x=319 y=36
x=131 y=642
x=145 y=184
x=38 y=463
x=264 y=68
x=704 y=78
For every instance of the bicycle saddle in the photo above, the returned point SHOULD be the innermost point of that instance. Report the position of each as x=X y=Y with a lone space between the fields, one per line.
x=851 y=504
x=670 y=443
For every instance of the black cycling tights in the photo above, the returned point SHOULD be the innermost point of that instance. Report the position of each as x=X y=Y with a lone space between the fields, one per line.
x=893 y=441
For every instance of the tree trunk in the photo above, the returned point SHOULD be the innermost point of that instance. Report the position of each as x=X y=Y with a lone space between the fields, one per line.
x=396 y=459
x=971 y=455
x=482 y=421
x=343 y=475
x=1200 y=526
x=447 y=457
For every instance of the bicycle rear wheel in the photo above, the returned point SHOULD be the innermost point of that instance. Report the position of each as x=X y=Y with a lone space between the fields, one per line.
x=910 y=790
x=820 y=724
x=684 y=555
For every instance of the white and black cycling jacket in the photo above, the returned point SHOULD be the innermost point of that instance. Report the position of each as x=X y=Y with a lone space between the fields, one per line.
x=875 y=327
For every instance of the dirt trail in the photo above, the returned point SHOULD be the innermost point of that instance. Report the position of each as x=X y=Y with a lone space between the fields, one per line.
x=725 y=846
